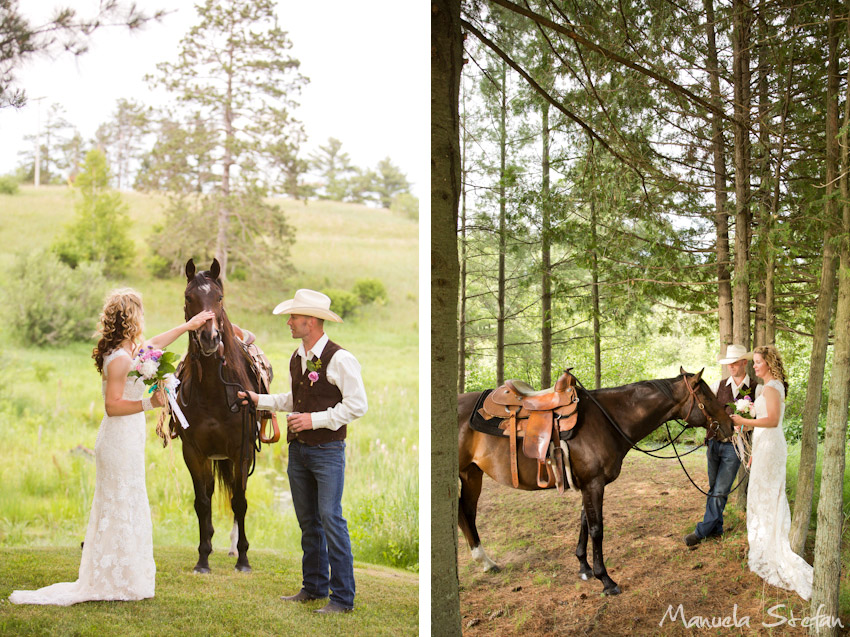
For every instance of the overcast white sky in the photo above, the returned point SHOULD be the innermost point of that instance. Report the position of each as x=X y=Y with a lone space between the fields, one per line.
x=366 y=62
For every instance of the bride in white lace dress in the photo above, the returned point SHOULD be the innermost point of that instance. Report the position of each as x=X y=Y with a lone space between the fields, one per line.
x=117 y=561
x=768 y=513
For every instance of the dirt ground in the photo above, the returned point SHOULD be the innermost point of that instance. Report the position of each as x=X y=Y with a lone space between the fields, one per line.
x=648 y=510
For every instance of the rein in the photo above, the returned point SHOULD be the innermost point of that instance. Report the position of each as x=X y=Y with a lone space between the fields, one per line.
x=714 y=425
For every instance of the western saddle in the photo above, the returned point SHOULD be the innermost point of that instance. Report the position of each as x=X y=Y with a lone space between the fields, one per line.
x=539 y=418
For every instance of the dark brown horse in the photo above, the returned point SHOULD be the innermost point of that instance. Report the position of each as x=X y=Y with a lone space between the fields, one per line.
x=215 y=444
x=596 y=452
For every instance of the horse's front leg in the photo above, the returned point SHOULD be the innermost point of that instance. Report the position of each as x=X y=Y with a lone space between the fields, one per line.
x=592 y=499
x=584 y=569
x=204 y=483
x=239 y=504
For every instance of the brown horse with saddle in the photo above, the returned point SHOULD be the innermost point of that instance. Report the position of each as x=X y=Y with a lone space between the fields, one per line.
x=223 y=437
x=570 y=436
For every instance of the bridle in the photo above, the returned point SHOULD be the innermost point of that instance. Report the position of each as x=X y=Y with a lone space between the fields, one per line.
x=711 y=424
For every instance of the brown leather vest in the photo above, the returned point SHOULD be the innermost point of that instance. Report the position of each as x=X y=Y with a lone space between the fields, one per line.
x=724 y=395
x=318 y=396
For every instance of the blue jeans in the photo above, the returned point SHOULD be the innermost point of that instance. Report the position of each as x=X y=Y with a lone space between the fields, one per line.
x=723 y=466
x=316 y=476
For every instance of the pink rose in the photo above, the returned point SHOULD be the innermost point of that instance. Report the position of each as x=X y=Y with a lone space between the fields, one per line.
x=313 y=376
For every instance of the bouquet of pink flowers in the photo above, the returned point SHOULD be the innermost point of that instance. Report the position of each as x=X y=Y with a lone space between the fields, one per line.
x=744 y=406
x=153 y=365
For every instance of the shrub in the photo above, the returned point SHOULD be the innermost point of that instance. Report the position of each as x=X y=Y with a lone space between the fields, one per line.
x=8 y=185
x=158 y=266
x=407 y=205
x=342 y=302
x=99 y=231
x=51 y=303
x=369 y=290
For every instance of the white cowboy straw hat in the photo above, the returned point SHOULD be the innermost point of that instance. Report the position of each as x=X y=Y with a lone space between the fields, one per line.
x=308 y=303
x=735 y=353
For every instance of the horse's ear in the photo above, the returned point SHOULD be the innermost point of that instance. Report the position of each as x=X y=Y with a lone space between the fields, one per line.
x=215 y=269
x=694 y=381
x=190 y=270
x=682 y=371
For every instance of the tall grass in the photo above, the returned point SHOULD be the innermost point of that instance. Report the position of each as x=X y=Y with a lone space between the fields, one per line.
x=51 y=405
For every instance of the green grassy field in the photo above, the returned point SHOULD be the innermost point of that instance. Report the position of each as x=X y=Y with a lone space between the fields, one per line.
x=51 y=406
x=223 y=603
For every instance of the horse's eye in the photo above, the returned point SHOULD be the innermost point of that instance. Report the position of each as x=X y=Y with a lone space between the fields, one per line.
x=220 y=299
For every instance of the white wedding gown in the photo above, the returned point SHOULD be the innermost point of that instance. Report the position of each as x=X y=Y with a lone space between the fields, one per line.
x=117 y=561
x=768 y=513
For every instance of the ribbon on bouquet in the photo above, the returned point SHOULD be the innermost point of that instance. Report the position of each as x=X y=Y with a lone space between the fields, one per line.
x=171 y=382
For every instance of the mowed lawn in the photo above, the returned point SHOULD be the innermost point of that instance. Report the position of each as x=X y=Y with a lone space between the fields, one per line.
x=224 y=602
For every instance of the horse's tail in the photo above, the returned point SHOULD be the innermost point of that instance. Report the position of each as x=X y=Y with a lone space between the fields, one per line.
x=223 y=470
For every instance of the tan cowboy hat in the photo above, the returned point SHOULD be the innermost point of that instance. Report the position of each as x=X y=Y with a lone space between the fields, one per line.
x=308 y=303
x=734 y=353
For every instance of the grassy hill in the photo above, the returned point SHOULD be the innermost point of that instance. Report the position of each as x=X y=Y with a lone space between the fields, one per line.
x=51 y=406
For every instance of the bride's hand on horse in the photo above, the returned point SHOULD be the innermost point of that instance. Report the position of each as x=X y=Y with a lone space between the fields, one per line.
x=199 y=319
x=246 y=395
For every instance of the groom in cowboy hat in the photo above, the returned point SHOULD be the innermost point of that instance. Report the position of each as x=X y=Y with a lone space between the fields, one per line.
x=722 y=460
x=327 y=394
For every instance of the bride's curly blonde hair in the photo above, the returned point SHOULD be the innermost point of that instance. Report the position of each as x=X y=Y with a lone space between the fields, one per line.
x=774 y=363
x=120 y=320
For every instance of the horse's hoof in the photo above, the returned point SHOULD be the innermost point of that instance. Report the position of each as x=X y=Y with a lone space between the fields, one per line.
x=242 y=568
x=232 y=553
x=615 y=590
x=584 y=576
x=201 y=570
x=492 y=568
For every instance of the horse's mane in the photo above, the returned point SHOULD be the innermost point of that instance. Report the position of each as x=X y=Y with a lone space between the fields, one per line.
x=663 y=385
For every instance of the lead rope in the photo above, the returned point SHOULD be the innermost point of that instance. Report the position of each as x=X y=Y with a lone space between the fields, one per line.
x=250 y=433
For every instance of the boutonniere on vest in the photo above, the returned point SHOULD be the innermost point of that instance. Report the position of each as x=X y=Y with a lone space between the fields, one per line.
x=314 y=367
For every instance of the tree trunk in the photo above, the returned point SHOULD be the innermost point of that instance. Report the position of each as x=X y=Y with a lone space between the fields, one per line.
x=461 y=362
x=227 y=161
x=546 y=296
x=827 y=564
x=594 y=290
x=446 y=63
x=814 y=387
x=721 y=214
x=742 y=18
x=503 y=233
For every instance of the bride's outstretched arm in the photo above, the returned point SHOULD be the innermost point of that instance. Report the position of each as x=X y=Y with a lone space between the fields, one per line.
x=773 y=403
x=167 y=338
x=114 y=402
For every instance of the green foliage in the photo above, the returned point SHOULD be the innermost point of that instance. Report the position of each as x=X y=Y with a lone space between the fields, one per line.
x=370 y=290
x=8 y=185
x=407 y=205
x=389 y=182
x=50 y=303
x=342 y=301
x=99 y=231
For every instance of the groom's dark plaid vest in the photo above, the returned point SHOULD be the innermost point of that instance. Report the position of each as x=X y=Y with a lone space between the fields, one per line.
x=318 y=396
x=724 y=395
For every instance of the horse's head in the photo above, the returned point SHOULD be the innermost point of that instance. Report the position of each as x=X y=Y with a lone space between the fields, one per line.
x=702 y=409
x=204 y=291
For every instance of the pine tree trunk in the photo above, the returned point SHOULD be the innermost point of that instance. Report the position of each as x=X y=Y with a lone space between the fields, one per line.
x=503 y=233
x=811 y=410
x=594 y=290
x=221 y=247
x=446 y=64
x=461 y=363
x=742 y=18
x=546 y=296
x=721 y=214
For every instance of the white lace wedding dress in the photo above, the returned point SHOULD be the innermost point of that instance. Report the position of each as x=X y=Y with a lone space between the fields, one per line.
x=768 y=513
x=117 y=561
